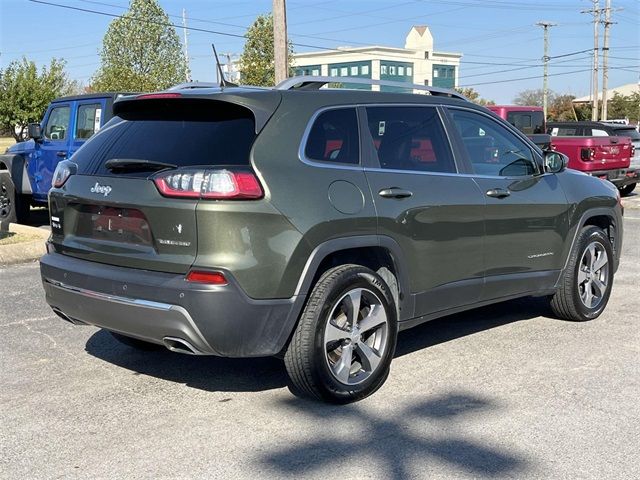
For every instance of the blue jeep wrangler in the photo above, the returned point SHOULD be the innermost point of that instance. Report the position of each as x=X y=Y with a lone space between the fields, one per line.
x=26 y=168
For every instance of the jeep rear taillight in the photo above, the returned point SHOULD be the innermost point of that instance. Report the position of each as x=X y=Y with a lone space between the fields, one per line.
x=219 y=184
x=587 y=154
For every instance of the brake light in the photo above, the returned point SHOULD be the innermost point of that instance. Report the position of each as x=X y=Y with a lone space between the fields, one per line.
x=209 y=184
x=587 y=154
x=146 y=96
x=211 y=278
x=62 y=173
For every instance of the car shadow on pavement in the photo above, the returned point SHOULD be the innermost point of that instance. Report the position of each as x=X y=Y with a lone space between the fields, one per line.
x=472 y=321
x=213 y=374
x=258 y=374
x=396 y=443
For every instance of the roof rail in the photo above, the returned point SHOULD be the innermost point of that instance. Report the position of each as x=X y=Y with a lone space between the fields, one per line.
x=309 y=82
x=191 y=85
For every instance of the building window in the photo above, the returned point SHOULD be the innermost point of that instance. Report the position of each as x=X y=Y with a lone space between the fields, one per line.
x=315 y=71
x=364 y=70
x=401 y=71
x=409 y=71
x=392 y=70
x=426 y=83
x=344 y=71
x=334 y=72
x=436 y=73
x=426 y=55
x=383 y=69
x=354 y=70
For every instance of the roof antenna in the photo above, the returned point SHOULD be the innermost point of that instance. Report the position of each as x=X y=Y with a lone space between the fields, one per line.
x=223 y=82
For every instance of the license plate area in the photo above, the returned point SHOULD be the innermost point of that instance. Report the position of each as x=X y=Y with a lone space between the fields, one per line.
x=113 y=224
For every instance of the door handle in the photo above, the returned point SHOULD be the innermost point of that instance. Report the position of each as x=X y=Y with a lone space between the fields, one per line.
x=61 y=154
x=498 y=193
x=394 y=193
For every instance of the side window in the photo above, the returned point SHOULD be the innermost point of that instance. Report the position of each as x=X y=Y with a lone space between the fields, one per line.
x=334 y=137
x=88 y=120
x=58 y=123
x=596 y=132
x=492 y=149
x=410 y=138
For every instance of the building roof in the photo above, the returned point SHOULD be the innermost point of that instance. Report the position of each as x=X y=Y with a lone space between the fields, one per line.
x=624 y=90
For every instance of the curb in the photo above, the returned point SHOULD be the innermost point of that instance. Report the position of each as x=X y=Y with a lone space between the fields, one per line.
x=27 y=251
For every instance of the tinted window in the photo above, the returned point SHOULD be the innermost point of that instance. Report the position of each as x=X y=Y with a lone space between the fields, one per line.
x=563 y=131
x=179 y=132
x=527 y=122
x=410 y=138
x=334 y=137
x=58 y=123
x=88 y=120
x=492 y=149
x=627 y=132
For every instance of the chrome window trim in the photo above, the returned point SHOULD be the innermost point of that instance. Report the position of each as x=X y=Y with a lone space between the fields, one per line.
x=360 y=166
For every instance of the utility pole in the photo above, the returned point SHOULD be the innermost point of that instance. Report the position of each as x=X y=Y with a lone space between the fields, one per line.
x=545 y=60
x=605 y=57
x=280 y=43
x=187 y=71
x=596 y=21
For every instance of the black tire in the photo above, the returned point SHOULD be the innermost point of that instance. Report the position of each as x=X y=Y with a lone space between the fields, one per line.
x=579 y=282
x=627 y=189
x=7 y=199
x=23 y=208
x=308 y=356
x=136 y=343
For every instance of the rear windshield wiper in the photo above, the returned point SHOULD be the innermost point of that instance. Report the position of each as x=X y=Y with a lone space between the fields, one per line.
x=136 y=165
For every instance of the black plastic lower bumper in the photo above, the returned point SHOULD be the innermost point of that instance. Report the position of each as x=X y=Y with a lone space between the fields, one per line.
x=162 y=307
x=619 y=177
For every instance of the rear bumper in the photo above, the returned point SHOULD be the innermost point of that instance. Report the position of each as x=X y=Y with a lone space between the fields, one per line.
x=619 y=177
x=165 y=309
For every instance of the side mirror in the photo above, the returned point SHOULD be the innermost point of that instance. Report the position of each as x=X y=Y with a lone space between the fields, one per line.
x=555 y=162
x=35 y=131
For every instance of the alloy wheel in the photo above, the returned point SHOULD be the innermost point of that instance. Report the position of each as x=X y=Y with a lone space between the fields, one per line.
x=593 y=275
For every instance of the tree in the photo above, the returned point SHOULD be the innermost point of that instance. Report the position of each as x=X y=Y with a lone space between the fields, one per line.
x=141 y=52
x=474 y=96
x=532 y=97
x=561 y=109
x=25 y=93
x=624 y=106
x=256 y=62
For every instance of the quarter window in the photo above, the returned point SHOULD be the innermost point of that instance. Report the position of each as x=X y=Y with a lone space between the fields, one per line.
x=88 y=120
x=410 y=138
x=491 y=148
x=58 y=123
x=334 y=137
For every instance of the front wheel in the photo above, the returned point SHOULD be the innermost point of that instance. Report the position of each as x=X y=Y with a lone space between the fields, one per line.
x=586 y=284
x=7 y=199
x=342 y=348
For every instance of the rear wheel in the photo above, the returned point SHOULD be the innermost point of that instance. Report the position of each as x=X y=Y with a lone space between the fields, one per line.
x=627 y=189
x=586 y=285
x=136 y=343
x=342 y=347
x=7 y=199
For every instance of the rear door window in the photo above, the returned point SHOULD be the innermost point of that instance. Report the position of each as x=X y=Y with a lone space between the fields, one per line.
x=88 y=119
x=527 y=122
x=180 y=132
x=334 y=137
x=410 y=138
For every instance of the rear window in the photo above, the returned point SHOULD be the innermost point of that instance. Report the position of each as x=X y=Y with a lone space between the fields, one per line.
x=527 y=122
x=627 y=132
x=181 y=132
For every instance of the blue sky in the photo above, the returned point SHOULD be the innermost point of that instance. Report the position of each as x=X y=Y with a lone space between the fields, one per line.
x=498 y=38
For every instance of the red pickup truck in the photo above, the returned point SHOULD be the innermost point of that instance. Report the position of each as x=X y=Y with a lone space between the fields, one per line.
x=528 y=119
x=604 y=157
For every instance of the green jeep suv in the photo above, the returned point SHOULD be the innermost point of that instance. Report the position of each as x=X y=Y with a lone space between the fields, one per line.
x=315 y=224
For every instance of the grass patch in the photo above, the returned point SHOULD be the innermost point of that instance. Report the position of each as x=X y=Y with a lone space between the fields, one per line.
x=10 y=238
x=6 y=142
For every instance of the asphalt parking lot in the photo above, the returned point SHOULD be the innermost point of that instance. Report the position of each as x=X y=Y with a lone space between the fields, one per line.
x=499 y=392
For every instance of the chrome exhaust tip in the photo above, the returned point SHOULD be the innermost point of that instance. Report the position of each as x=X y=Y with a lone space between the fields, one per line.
x=180 y=345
